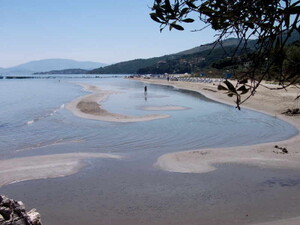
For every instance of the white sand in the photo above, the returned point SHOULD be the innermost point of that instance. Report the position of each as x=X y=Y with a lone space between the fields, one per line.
x=88 y=107
x=204 y=160
x=42 y=167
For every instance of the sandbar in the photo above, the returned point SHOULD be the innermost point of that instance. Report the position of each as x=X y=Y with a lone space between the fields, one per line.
x=88 y=107
x=47 y=166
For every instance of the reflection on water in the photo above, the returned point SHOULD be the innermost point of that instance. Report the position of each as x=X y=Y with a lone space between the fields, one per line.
x=131 y=191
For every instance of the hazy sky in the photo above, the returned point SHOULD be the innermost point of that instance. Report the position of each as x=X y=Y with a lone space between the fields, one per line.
x=106 y=31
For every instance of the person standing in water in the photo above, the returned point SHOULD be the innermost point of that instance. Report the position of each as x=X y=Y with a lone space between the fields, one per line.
x=145 y=92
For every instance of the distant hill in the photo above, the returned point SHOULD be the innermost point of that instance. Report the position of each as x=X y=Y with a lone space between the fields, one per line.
x=190 y=60
x=143 y=65
x=50 y=64
x=226 y=43
x=190 y=63
x=207 y=57
x=130 y=67
x=67 y=71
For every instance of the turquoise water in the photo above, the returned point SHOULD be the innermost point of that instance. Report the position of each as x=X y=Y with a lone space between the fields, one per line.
x=34 y=121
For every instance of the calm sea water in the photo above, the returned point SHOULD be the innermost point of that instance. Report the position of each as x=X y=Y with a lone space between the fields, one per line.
x=33 y=115
x=34 y=121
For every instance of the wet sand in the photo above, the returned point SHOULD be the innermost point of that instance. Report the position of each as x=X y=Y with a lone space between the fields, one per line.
x=291 y=221
x=88 y=107
x=205 y=160
x=265 y=155
x=42 y=167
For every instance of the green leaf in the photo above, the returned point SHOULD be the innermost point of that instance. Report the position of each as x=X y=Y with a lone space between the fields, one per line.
x=168 y=6
x=159 y=14
x=206 y=10
x=277 y=44
x=184 y=11
x=154 y=17
x=243 y=89
x=222 y=88
x=176 y=7
x=244 y=81
x=251 y=25
x=230 y=94
x=230 y=86
x=188 y=20
x=172 y=17
x=286 y=19
x=176 y=26
x=294 y=10
x=191 y=5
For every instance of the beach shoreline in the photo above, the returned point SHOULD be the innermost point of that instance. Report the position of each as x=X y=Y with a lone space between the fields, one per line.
x=59 y=165
x=264 y=155
x=45 y=166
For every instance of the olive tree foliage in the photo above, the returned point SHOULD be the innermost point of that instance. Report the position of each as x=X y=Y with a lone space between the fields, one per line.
x=271 y=22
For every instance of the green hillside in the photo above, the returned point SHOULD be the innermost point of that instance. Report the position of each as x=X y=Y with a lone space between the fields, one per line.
x=130 y=67
x=137 y=65
x=192 y=60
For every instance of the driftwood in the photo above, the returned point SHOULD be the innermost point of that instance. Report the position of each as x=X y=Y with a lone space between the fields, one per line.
x=292 y=112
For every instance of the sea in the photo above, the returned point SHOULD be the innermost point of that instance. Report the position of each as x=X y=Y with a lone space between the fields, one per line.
x=34 y=121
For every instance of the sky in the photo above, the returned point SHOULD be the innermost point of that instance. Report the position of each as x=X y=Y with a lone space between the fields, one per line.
x=106 y=31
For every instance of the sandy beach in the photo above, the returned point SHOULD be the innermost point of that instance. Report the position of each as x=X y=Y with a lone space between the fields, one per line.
x=264 y=155
x=89 y=107
x=48 y=166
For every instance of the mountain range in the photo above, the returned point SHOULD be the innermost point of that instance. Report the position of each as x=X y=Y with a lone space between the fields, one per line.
x=50 y=64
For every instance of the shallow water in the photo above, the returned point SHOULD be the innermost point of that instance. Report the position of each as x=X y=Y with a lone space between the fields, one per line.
x=35 y=122
x=34 y=116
